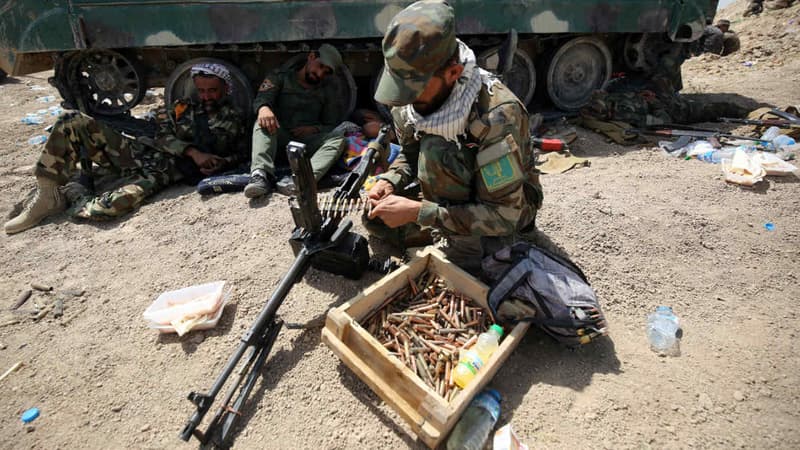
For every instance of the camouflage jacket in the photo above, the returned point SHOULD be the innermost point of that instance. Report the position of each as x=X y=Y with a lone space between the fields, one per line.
x=484 y=186
x=181 y=126
x=293 y=104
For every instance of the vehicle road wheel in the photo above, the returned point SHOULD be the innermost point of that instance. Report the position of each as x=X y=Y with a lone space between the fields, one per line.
x=179 y=84
x=522 y=77
x=579 y=67
x=107 y=82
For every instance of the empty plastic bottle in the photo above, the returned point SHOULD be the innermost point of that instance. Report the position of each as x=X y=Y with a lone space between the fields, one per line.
x=32 y=119
x=715 y=156
x=782 y=141
x=38 y=139
x=770 y=134
x=662 y=327
x=471 y=361
x=46 y=99
x=472 y=430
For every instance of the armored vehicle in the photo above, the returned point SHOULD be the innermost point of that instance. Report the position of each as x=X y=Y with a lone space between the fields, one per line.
x=107 y=53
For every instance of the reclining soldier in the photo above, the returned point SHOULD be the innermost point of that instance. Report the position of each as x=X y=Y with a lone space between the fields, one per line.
x=464 y=132
x=296 y=102
x=194 y=139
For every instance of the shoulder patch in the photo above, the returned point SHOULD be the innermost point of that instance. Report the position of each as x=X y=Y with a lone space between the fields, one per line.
x=499 y=165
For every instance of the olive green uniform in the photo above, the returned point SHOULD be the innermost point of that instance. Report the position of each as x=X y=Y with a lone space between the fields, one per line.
x=296 y=106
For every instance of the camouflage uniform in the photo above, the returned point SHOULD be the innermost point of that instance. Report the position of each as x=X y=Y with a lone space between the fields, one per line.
x=481 y=192
x=141 y=170
x=296 y=106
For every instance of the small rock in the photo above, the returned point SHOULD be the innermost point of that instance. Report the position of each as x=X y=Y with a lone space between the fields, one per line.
x=116 y=409
x=590 y=416
x=2 y=346
x=738 y=396
x=30 y=429
x=705 y=401
x=197 y=338
x=144 y=428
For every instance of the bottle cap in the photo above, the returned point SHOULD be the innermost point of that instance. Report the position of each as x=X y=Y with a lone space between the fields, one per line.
x=498 y=329
x=30 y=415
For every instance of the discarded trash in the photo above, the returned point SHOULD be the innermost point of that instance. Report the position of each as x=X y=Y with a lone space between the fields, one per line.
x=46 y=99
x=193 y=308
x=472 y=430
x=769 y=226
x=749 y=63
x=716 y=156
x=32 y=119
x=38 y=139
x=30 y=415
x=771 y=133
x=774 y=165
x=782 y=141
x=55 y=110
x=36 y=87
x=8 y=372
x=506 y=439
x=471 y=361
x=742 y=169
x=662 y=327
x=698 y=147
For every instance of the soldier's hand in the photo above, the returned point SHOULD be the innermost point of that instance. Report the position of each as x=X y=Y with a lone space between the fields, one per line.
x=380 y=189
x=206 y=162
x=267 y=120
x=395 y=211
x=307 y=130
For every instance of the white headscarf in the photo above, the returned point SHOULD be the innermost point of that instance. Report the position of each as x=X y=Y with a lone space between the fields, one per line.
x=217 y=70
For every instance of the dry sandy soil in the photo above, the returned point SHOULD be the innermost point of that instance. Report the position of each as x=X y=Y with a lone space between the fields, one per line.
x=647 y=229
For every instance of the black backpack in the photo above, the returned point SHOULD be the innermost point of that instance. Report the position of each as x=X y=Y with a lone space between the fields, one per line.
x=531 y=284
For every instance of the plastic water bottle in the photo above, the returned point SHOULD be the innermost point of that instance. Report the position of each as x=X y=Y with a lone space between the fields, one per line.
x=661 y=328
x=782 y=140
x=770 y=134
x=472 y=431
x=38 y=139
x=46 y=99
x=473 y=359
x=715 y=156
x=32 y=119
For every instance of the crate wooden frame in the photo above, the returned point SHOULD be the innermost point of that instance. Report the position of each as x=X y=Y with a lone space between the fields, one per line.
x=428 y=414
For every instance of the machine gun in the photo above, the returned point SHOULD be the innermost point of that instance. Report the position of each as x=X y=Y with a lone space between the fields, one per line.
x=325 y=243
x=780 y=123
x=313 y=237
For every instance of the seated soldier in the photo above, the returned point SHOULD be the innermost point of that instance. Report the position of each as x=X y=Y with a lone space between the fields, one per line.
x=194 y=139
x=296 y=103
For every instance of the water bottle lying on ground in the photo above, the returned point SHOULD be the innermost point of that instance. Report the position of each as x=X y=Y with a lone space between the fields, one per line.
x=472 y=430
x=662 y=329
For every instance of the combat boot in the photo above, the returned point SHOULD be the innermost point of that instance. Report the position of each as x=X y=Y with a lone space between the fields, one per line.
x=47 y=201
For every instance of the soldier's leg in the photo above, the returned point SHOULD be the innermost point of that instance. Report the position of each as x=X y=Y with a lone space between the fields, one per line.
x=325 y=149
x=157 y=171
x=265 y=148
x=71 y=132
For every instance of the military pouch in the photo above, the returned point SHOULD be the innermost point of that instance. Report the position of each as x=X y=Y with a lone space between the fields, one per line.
x=500 y=164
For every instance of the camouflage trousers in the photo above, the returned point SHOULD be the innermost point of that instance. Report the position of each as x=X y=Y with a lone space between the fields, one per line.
x=325 y=149
x=137 y=172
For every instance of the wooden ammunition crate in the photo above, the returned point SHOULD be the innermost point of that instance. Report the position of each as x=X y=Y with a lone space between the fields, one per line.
x=428 y=414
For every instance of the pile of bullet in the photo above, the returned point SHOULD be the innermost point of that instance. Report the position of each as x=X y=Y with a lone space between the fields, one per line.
x=425 y=325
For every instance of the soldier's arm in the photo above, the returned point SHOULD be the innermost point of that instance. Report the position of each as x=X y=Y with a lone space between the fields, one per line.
x=230 y=134
x=402 y=171
x=500 y=182
x=167 y=139
x=268 y=92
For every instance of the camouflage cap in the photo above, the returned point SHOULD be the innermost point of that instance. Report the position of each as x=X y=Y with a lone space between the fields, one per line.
x=329 y=56
x=418 y=41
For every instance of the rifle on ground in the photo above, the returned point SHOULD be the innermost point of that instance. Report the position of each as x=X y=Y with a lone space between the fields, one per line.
x=313 y=238
x=712 y=136
x=780 y=123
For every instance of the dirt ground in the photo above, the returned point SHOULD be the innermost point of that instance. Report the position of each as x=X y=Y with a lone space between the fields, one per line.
x=646 y=228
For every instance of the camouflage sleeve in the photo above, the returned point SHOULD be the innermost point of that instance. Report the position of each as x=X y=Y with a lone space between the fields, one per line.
x=167 y=139
x=230 y=134
x=268 y=91
x=503 y=197
x=402 y=171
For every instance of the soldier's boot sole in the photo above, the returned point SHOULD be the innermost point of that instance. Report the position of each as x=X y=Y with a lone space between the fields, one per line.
x=48 y=201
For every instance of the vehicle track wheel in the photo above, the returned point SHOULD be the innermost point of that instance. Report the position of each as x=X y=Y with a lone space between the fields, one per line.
x=179 y=84
x=579 y=67
x=521 y=79
x=107 y=82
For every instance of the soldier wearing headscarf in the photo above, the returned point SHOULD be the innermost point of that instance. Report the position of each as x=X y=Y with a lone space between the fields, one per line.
x=195 y=138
